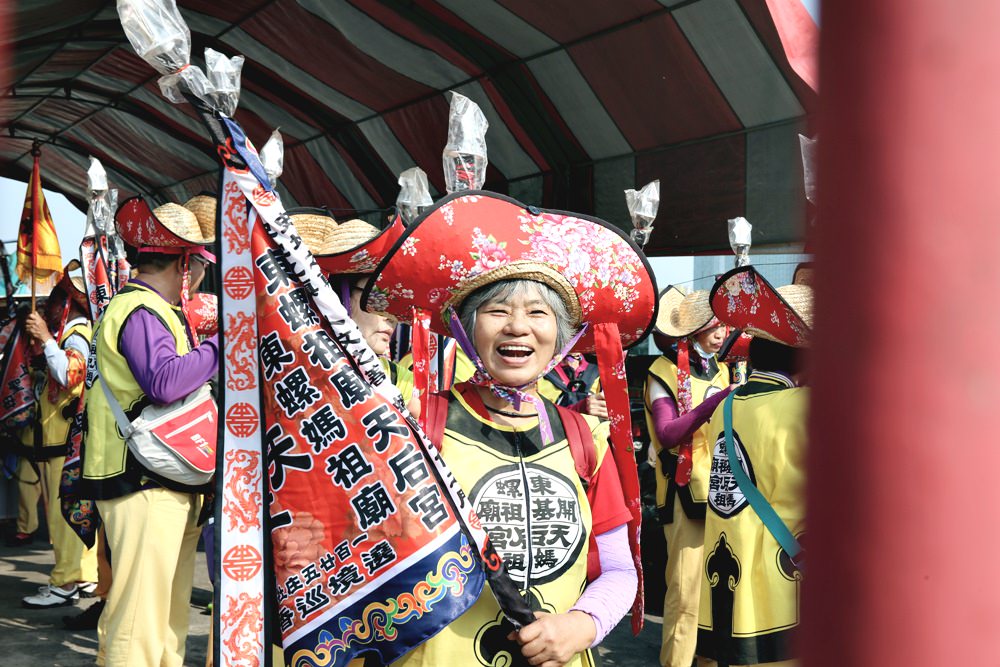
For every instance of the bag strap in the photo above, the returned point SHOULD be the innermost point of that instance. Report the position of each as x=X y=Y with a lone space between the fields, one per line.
x=124 y=423
x=116 y=409
x=779 y=531
x=581 y=443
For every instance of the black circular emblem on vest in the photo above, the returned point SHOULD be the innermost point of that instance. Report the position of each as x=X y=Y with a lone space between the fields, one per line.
x=537 y=529
x=724 y=495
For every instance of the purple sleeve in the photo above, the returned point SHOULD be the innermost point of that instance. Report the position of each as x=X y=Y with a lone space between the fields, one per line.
x=609 y=597
x=163 y=375
x=671 y=429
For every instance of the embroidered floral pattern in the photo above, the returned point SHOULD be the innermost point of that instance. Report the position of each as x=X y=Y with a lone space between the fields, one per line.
x=409 y=247
x=363 y=262
x=458 y=242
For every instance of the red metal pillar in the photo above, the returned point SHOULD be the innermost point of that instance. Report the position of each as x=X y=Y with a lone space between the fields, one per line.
x=904 y=524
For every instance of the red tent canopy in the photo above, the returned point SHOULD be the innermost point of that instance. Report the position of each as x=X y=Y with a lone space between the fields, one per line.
x=585 y=98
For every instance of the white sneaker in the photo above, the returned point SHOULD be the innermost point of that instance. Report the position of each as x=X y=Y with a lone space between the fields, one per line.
x=51 y=596
x=87 y=588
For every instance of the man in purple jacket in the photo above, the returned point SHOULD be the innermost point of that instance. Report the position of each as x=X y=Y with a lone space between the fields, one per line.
x=146 y=353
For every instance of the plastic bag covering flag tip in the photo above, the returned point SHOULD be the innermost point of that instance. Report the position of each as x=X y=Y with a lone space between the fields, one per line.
x=464 y=157
x=414 y=194
x=642 y=208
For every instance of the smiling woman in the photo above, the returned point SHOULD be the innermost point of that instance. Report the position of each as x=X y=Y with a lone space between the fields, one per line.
x=519 y=288
x=517 y=326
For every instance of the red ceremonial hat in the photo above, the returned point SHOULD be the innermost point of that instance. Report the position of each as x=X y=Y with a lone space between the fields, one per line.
x=474 y=238
x=744 y=299
x=204 y=313
x=167 y=226
x=351 y=247
x=73 y=286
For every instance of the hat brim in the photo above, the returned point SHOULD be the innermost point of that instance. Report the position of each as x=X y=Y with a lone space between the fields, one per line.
x=140 y=228
x=670 y=299
x=472 y=238
x=744 y=299
x=365 y=257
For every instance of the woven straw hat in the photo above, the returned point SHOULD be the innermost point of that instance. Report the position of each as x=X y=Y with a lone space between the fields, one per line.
x=669 y=299
x=167 y=226
x=204 y=208
x=744 y=299
x=314 y=226
x=684 y=315
x=348 y=236
x=800 y=299
x=523 y=270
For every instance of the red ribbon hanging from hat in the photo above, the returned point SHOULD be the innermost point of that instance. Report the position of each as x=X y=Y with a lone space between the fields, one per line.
x=420 y=341
x=611 y=363
x=682 y=474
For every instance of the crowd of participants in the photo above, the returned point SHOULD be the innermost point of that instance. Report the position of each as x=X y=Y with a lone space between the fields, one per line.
x=522 y=393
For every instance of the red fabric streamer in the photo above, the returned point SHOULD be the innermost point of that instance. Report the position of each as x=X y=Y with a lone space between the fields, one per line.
x=611 y=361
x=682 y=474
x=420 y=340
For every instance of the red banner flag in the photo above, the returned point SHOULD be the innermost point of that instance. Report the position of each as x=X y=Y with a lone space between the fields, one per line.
x=38 y=251
x=17 y=394
x=374 y=547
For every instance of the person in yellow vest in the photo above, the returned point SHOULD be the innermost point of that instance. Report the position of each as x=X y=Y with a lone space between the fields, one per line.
x=145 y=353
x=64 y=337
x=751 y=578
x=683 y=387
x=522 y=462
x=348 y=252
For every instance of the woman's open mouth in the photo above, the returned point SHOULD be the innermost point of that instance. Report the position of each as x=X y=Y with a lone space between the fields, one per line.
x=515 y=352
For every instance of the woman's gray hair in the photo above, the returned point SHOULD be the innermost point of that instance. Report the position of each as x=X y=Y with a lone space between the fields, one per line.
x=504 y=290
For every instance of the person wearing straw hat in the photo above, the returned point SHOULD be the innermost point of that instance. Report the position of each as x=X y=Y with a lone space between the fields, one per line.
x=348 y=252
x=682 y=389
x=751 y=579
x=63 y=334
x=146 y=353
x=519 y=288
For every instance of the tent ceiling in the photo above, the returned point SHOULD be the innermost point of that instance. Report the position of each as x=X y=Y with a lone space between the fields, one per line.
x=585 y=98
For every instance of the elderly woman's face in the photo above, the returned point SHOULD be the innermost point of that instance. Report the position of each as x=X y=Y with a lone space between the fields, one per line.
x=377 y=329
x=516 y=338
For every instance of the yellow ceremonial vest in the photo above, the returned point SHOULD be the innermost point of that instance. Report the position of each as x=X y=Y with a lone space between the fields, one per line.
x=550 y=561
x=664 y=371
x=55 y=423
x=105 y=450
x=399 y=376
x=750 y=589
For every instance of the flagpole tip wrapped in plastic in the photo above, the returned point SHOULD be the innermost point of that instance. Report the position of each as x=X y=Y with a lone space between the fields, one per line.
x=739 y=239
x=643 y=206
x=159 y=35
x=414 y=194
x=272 y=156
x=465 y=156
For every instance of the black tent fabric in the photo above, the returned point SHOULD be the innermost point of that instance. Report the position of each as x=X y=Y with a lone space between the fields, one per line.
x=585 y=98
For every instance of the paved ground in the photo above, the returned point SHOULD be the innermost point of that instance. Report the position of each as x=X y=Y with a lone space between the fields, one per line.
x=36 y=637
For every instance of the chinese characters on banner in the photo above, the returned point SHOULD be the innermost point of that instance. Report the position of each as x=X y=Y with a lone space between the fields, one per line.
x=368 y=552
x=365 y=544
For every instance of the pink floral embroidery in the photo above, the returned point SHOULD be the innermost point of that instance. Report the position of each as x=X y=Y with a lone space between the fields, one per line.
x=409 y=246
x=488 y=253
x=362 y=262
